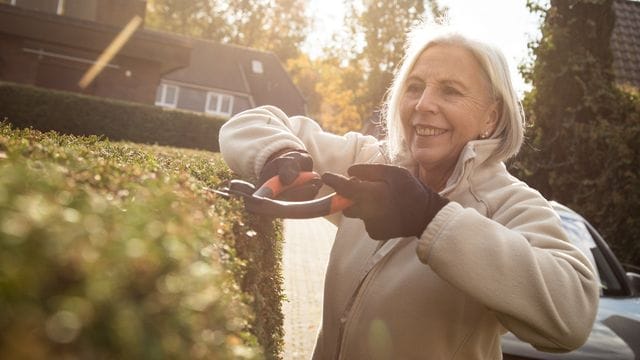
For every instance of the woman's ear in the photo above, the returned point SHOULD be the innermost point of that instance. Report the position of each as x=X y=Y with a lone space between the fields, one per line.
x=493 y=115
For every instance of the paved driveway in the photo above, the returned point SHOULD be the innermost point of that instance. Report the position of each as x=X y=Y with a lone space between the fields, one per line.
x=306 y=253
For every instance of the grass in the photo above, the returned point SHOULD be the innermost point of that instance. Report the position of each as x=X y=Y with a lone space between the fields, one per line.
x=115 y=250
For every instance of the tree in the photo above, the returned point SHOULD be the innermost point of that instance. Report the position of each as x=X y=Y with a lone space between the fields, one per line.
x=197 y=18
x=383 y=26
x=279 y=26
x=348 y=84
x=583 y=148
x=323 y=83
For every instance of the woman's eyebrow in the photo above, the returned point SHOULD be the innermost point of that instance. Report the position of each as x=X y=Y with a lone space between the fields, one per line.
x=447 y=81
x=453 y=82
x=414 y=78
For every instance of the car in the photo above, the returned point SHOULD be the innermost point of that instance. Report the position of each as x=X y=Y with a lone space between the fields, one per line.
x=616 y=331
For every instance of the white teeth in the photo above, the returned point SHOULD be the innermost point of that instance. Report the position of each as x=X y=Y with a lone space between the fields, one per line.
x=429 y=131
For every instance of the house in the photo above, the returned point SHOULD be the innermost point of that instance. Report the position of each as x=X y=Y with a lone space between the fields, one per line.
x=625 y=42
x=223 y=80
x=52 y=43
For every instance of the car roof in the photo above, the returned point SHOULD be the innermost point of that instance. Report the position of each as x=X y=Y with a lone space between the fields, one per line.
x=565 y=211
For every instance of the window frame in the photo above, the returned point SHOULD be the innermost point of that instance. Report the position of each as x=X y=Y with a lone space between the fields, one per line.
x=218 y=111
x=163 y=97
x=60 y=7
x=257 y=67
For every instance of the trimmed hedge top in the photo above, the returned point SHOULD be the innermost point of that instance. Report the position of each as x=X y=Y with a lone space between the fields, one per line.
x=115 y=250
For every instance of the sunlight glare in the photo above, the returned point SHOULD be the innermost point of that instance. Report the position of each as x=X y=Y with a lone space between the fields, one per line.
x=507 y=24
x=327 y=18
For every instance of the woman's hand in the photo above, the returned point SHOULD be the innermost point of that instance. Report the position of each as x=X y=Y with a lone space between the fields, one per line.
x=391 y=201
x=287 y=165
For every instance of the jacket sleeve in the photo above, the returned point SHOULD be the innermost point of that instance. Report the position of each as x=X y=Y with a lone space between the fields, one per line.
x=520 y=264
x=249 y=138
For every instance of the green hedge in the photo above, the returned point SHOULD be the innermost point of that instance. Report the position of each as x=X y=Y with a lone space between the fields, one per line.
x=117 y=251
x=583 y=147
x=71 y=113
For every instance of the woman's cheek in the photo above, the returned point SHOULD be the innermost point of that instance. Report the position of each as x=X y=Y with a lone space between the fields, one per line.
x=405 y=118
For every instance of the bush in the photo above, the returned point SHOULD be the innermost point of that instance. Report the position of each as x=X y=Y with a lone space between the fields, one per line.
x=583 y=149
x=70 y=113
x=117 y=251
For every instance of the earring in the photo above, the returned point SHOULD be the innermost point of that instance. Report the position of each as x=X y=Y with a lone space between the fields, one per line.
x=484 y=135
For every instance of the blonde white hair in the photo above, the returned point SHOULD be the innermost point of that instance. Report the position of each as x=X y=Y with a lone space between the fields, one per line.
x=510 y=125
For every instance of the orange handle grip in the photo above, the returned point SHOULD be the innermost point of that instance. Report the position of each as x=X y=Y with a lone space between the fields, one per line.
x=274 y=187
x=261 y=201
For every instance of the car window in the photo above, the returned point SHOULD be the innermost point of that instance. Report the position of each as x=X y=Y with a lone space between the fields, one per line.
x=581 y=237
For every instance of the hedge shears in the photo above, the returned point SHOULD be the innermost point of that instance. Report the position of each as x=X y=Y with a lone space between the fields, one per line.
x=262 y=200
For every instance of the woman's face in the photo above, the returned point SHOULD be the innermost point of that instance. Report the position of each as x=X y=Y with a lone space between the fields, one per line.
x=446 y=103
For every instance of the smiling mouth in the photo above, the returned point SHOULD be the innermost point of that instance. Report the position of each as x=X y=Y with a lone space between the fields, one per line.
x=429 y=131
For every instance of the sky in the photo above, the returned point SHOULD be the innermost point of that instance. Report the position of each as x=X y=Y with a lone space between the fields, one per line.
x=506 y=23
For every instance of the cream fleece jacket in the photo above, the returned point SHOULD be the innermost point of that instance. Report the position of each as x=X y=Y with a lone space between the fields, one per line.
x=494 y=259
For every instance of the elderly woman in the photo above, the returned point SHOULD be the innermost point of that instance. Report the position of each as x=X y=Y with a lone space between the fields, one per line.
x=443 y=250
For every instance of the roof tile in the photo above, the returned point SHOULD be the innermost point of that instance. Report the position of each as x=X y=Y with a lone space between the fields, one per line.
x=625 y=42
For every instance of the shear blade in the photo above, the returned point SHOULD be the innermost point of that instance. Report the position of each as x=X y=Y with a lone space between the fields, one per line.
x=236 y=188
x=224 y=192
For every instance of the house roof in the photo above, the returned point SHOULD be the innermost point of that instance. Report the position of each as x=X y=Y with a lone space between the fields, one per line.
x=230 y=67
x=625 y=42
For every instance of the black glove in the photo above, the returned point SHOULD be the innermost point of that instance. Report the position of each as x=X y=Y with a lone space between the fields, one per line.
x=287 y=165
x=391 y=201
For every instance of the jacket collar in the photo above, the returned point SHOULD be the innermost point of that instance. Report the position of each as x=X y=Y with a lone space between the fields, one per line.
x=473 y=155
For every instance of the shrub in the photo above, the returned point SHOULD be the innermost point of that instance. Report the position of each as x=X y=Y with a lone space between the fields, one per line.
x=70 y=113
x=583 y=148
x=116 y=250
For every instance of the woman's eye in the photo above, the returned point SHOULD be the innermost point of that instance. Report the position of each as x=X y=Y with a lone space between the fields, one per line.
x=449 y=90
x=415 y=88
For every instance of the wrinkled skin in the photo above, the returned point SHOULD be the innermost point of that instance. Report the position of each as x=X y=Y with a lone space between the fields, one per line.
x=446 y=103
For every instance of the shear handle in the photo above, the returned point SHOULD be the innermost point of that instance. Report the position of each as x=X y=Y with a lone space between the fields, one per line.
x=261 y=201
x=297 y=209
x=274 y=187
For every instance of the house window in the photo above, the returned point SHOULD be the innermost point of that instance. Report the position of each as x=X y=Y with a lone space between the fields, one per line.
x=256 y=67
x=219 y=104
x=167 y=95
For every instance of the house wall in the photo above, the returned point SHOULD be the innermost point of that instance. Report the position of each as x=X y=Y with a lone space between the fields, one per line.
x=82 y=9
x=49 y=6
x=16 y=65
x=43 y=49
x=241 y=104
x=136 y=80
x=58 y=67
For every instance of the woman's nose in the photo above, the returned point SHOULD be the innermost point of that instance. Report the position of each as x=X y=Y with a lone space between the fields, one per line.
x=427 y=101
